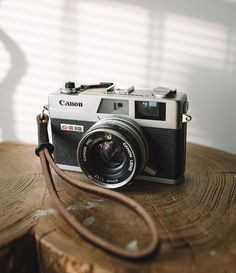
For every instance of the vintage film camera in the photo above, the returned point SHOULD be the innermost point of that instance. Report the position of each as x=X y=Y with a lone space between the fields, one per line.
x=118 y=135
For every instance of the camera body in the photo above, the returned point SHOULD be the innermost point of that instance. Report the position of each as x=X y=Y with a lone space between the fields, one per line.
x=117 y=135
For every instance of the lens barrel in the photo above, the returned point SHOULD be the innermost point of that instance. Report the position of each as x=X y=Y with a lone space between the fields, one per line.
x=113 y=151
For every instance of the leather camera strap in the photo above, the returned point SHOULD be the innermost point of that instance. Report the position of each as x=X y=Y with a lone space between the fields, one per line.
x=44 y=151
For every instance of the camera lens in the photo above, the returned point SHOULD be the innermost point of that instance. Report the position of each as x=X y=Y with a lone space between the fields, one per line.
x=110 y=153
x=113 y=151
x=108 y=157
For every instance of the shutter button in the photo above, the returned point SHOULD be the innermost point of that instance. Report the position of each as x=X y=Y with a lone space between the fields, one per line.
x=69 y=88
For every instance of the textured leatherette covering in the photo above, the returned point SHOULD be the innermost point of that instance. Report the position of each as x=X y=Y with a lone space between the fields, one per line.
x=166 y=147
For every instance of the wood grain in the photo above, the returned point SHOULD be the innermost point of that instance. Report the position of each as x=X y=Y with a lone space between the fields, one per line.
x=196 y=219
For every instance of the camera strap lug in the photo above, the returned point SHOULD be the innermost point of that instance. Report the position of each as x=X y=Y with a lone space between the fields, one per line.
x=45 y=108
x=186 y=118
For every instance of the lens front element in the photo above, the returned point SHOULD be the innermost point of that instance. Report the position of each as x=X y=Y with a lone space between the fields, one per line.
x=110 y=153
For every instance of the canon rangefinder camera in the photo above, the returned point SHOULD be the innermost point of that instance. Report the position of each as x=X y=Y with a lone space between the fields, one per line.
x=116 y=136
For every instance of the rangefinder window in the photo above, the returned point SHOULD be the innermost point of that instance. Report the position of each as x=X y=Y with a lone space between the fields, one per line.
x=111 y=106
x=150 y=110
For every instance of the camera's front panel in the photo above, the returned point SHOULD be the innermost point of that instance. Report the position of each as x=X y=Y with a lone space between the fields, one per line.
x=167 y=149
x=66 y=135
x=167 y=152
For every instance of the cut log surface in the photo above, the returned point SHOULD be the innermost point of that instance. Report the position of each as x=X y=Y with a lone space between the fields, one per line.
x=195 y=219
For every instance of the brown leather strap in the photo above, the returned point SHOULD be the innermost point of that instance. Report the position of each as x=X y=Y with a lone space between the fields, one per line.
x=46 y=160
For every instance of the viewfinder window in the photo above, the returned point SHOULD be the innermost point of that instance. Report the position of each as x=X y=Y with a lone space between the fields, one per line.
x=152 y=110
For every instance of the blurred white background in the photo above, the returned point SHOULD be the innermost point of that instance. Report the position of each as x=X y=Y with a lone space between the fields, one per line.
x=187 y=44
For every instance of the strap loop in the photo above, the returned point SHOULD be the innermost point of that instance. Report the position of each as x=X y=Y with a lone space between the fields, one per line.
x=47 y=160
x=43 y=140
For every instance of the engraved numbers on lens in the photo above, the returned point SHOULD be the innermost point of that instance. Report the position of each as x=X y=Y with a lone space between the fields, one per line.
x=98 y=177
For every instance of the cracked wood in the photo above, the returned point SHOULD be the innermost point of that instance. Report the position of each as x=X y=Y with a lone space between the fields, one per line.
x=196 y=219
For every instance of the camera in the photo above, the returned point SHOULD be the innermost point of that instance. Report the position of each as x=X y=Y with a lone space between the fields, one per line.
x=116 y=136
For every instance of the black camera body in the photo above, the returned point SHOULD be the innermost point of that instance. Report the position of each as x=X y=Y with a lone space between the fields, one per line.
x=118 y=135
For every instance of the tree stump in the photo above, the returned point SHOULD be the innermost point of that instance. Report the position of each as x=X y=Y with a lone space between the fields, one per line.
x=196 y=219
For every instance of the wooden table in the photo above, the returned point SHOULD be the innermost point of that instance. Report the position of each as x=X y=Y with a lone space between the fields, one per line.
x=196 y=219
